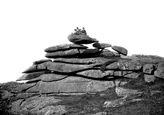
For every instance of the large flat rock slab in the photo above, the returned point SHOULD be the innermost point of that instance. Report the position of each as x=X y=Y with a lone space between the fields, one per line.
x=63 y=47
x=120 y=50
x=72 y=85
x=125 y=65
x=67 y=53
x=41 y=61
x=29 y=76
x=94 y=60
x=95 y=73
x=66 y=68
x=101 y=45
x=49 y=77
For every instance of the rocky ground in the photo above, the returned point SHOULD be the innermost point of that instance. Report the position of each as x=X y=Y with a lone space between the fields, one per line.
x=77 y=80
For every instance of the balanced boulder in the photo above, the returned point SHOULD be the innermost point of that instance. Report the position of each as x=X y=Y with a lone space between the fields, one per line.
x=81 y=39
x=120 y=50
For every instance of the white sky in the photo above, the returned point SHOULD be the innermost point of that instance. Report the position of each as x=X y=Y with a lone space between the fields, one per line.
x=27 y=27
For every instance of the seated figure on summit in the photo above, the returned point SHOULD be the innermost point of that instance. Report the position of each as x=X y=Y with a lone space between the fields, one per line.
x=80 y=37
x=80 y=32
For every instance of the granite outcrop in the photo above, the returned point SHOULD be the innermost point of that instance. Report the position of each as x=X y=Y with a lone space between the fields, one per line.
x=77 y=80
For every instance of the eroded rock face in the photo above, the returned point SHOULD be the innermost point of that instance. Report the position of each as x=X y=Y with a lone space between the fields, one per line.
x=125 y=65
x=87 y=81
x=160 y=70
x=101 y=45
x=148 y=68
x=120 y=49
x=81 y=39
x=69 y=86
x=63 y=47
x=67 y=53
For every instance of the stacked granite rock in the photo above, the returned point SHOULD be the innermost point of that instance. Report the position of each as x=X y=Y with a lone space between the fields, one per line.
x=74 y=69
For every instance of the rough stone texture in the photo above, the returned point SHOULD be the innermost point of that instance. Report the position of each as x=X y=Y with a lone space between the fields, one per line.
x=41 y=61
x=30 y=76
x=101 y=45
x=66 y=68
x=149 y=78
x=41 y=105
x=118 y=73
x=89 y=52
x=67 y=53
x=6 y=94
x=74 y=84
x=22 y=87
x=81 y=39
x=42 y=66
x=125 y=65
x=109 y=54
x=81 y=81
x=148 y=68
x=120 y=49
x=32 y=68
x=16 y=106
x=49 y=77
x=94 y=73
x=64 y=47
x=52 y=77
x=126 y=92
x=160 y=70
x=96 y=60
x=54 y=110
x=133 y=75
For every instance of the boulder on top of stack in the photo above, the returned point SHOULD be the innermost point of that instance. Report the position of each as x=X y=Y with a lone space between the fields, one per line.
x=120 y=50
x=81 y=37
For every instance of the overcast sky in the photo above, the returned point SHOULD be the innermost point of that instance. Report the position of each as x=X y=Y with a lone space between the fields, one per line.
x=27 y=27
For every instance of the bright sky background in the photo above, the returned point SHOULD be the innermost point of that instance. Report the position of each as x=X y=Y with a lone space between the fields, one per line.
x=27 y=27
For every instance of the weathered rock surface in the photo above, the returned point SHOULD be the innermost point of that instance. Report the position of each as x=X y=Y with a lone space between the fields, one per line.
x=101 y=45
x=149 y=78
x=42 y=61
x=93 y=60
x=120 y=49
x=148 y=68
x=125 y=65
x=160 y=70
x=85 y=81
x=108 y=54
x=89 y=52
x=30 y=76
x=67 y=53
x=63 y=47
x=81 y=39
x=78 y=86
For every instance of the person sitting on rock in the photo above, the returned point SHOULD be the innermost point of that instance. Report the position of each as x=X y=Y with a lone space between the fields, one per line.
x=80 y=32
x=77 y=31
x=84 y=31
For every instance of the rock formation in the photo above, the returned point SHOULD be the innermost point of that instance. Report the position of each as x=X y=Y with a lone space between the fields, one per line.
x=77 y=80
